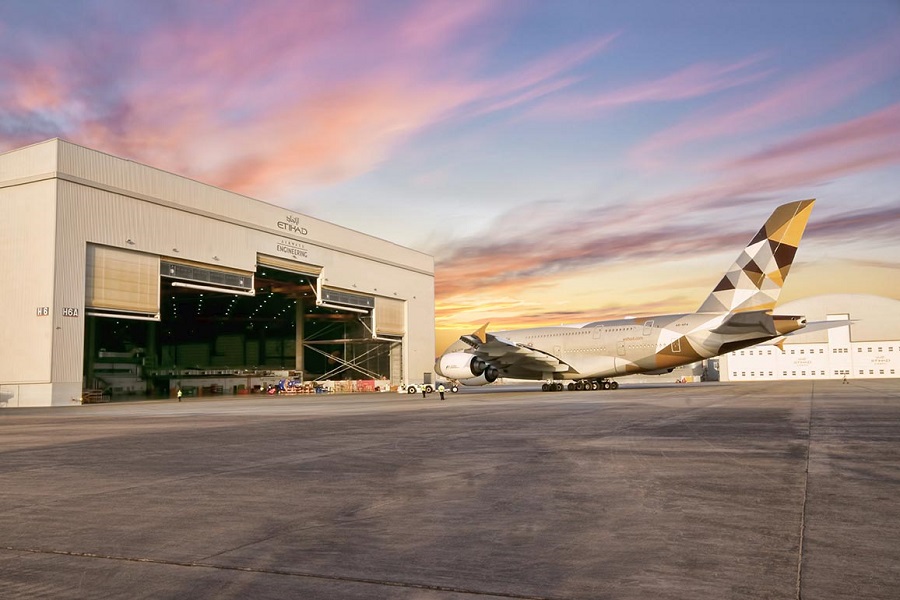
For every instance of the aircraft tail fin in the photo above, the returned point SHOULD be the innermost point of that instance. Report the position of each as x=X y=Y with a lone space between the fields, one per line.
x=754 y=280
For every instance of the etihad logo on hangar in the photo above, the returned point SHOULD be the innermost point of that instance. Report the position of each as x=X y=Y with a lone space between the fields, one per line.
x=292 y=224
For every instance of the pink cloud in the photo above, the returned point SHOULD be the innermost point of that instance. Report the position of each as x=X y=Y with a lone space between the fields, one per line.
x=337 y=134
x=551 y=65
x=327 y=131
x=545 y=75
x=533 y=92
x=691 y=82
x=882 y=222
x=874 y=134
x=436 y=24
x=280 y=97
x=38 y=89
x=495 y=266
x=805 y=96
x=741 y=187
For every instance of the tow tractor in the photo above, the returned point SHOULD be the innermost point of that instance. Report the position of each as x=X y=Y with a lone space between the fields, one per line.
x=416 y=388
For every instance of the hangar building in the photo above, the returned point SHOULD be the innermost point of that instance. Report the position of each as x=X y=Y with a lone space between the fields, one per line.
x=867 y=347
x=117 y=275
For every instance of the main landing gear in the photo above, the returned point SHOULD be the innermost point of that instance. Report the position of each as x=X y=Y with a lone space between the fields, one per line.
x=581 y=384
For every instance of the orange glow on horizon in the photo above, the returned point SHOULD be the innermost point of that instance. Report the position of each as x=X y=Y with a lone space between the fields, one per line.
x=671 y=292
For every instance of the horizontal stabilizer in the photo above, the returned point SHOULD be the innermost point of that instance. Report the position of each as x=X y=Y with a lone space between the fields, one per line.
x=809 y=328
x=819 y=326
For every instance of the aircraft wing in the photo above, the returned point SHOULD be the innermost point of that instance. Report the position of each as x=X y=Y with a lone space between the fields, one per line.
x=505 y=354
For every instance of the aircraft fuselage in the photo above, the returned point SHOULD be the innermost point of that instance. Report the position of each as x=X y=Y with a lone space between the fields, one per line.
x=622 y=347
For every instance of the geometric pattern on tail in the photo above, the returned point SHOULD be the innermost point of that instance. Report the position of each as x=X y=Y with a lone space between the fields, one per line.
x=754 y=280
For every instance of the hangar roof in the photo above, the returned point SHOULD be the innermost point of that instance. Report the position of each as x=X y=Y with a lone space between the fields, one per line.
x=65 y=160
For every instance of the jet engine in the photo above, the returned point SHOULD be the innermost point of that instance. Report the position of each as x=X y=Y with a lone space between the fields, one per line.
x=467 y=368
x=489 y=376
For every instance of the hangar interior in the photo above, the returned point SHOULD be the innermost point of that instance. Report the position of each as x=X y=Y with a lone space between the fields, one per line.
x=205 y=329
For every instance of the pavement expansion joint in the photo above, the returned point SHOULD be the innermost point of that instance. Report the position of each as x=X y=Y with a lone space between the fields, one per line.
x=287 y=573
x=812 y=396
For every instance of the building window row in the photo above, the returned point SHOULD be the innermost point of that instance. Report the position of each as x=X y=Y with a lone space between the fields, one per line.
x=813 y=373
x=879 y=362
x=814 y=351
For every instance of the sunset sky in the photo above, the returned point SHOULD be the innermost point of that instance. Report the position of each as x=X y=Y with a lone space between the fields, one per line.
x=563 y=161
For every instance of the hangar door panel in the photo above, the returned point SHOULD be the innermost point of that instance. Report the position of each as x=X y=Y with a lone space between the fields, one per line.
x=390 y=316
x=290 y=266
x=121 y=280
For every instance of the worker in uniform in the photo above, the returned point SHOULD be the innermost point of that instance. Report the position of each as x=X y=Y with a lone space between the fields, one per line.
x=441 y=390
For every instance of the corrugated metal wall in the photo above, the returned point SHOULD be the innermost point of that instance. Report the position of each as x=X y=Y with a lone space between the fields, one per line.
x=115 y=220
x=36 y=161
x=28 y=312
x=154 y=184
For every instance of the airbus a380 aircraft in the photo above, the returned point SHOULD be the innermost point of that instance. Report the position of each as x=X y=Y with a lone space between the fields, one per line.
x=737 y=314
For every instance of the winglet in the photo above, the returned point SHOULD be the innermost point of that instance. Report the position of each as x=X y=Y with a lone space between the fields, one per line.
x=481 y=333
x=477 y=337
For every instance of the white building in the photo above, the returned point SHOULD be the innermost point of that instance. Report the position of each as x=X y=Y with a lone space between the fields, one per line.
x=116 y=275
x=868 y=346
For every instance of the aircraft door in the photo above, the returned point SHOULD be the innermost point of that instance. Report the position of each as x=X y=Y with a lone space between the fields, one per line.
x=676 y=346
x=648 y=327
x=620 y=348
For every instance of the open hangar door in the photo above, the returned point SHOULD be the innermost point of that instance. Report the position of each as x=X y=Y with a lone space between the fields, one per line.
x=122 y=308
x=209 y=329
x=339 y=332
x=153 y=320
